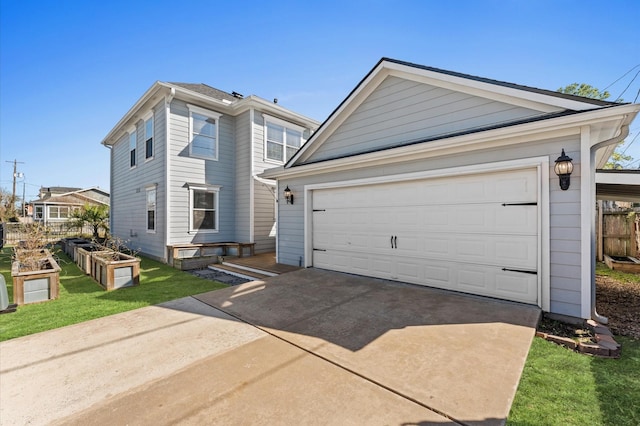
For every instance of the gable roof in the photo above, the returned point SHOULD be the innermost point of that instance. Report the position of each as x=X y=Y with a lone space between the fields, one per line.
x=543 y=104
x=63 y=195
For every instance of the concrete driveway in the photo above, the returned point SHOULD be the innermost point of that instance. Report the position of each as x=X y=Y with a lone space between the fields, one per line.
x=308 y=347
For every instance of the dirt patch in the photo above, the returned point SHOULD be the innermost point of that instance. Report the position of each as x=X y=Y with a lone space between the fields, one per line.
x=620 y=302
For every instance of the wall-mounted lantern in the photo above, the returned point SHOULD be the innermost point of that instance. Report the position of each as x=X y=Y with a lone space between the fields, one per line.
x=288 y=195
x=564 y=168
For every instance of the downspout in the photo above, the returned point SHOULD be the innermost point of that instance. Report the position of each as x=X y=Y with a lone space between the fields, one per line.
x=251 y=174
x=624 y=132
x=110 y=148
x=167 y=171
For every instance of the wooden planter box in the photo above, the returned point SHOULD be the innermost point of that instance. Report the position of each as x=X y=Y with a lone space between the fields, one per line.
x=623 y=263
x=113 y=273
x=71 y=244
x=84 y=252
x=36 y=286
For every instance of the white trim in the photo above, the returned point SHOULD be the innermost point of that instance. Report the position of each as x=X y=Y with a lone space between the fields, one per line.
x=587 y=213
x=151 y=117
x=152 y=187
x=281 y=122
x=251 y=183
x=167 y=172
x=208 y=188
x=287 y=125
x=559 y=126
x=133 y=131
x=210 y=114
x=540 y=163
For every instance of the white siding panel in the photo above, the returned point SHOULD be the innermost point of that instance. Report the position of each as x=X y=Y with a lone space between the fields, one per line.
x=128 y=192
x=243 y=177
x=190 y=170
x=402 y=111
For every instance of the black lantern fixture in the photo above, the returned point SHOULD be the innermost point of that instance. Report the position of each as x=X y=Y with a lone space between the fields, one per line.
x=288 y=195
x=563 y=169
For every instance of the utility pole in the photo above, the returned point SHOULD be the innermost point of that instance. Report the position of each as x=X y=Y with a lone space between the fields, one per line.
x=15 y=175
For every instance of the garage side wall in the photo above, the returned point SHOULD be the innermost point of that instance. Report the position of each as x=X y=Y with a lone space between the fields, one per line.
x=564 y=209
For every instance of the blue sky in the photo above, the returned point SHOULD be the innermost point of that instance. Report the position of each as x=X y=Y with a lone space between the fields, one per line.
x=69 y=70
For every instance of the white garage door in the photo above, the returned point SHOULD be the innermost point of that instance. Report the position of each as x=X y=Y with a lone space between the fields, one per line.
x=473 y=233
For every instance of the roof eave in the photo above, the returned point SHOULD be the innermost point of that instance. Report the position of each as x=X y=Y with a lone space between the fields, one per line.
x=624 y=114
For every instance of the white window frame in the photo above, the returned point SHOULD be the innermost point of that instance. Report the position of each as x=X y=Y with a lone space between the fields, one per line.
x=215 y=189
x=133 y=137
x=38 y=212
x=149 y=117
x=286 y=125
x=149 y=189
x=58 y=208
x=210 y=114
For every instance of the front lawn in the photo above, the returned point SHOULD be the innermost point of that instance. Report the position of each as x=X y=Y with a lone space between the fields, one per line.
x=82 y=299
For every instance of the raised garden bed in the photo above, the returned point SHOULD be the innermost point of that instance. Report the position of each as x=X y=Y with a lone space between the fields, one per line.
x=84 y=253
x=623 y=263
x=113 y=270
x=35 y=281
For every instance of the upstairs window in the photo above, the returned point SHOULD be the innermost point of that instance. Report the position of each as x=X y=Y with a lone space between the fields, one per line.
x=132 y=148
x=148 y=138
x=283 y=139
x=203 y=131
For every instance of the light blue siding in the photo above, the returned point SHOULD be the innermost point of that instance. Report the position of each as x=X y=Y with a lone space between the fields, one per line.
x=128 y=198
x=186 y=170
x=400 y=112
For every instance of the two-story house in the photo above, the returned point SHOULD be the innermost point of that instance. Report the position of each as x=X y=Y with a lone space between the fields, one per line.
x=184 y=166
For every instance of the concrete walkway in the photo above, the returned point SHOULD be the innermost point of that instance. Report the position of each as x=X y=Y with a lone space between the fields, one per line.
x=308 y=347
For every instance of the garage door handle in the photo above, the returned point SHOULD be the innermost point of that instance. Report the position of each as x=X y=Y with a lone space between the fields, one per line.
x=394 y=241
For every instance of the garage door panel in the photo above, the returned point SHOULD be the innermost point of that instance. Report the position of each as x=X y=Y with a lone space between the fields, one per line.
x=467 y=233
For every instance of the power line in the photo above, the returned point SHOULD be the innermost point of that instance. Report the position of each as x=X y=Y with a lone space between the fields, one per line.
x=625 y=89
x=633 y=68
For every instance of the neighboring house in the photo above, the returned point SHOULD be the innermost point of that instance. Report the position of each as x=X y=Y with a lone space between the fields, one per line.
x=447 y=180
x=56 y=204
x=184 y=165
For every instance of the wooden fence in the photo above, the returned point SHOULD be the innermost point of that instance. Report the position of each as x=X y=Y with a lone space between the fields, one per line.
x=14 y=232
x=618 y=234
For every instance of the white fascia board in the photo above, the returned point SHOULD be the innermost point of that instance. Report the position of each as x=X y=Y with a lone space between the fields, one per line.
x=263 y=105
x=344 y=110
x=512 y=95
x=619 y=178
x=523 y=98
x=553 y=127
x=155 y=91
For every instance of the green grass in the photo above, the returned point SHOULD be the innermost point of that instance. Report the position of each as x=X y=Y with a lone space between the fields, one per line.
x=623 y=277
x=81 y=298
x=562 y=387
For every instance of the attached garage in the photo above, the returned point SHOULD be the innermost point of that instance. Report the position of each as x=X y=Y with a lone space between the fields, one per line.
x=475 y=233
x=443 y=179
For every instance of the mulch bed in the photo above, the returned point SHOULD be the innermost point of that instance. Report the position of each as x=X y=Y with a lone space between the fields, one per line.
x=617 y=300
x=620 y=302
